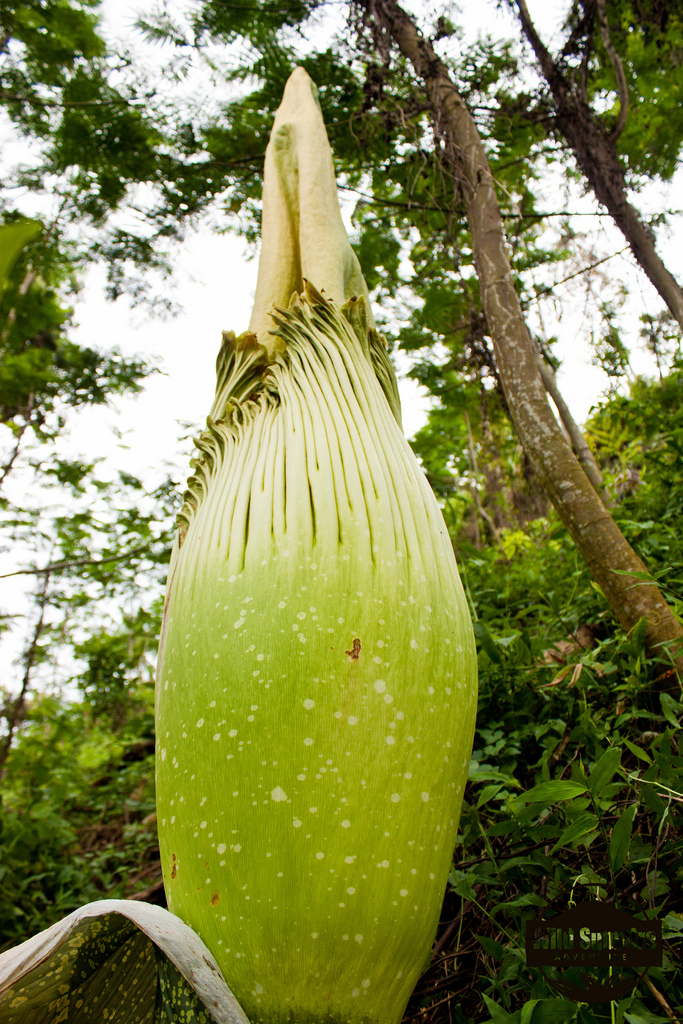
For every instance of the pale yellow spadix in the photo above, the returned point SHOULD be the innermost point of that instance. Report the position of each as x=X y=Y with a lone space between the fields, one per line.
x=317 y=679
x=303 y=236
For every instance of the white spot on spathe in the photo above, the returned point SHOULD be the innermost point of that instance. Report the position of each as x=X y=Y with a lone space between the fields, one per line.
x=349 y=860
x=308 y=741
x=403 y=892
x=236 y=625
x=358 y=938
x=380 y=685
x=352 y=720
x=355 y=992
x=340 y=621
x=389 y=740
x=383 y=864
x=388 y=698
x=217 y=736
x=278 y=794
x=163 y=754
x=296 y=823
x=319 y=856
x=232 y=733
x=395 y=797
x=282 y=604
x=350 y=890
x=365 y=983
x=346 y=824
x=425 y=797
x=301 y=778
x=413 y=644
x=200 y=723
x=314 y=935
x=237 y=848
x=258 y=990
x=221 y=848
x=301 y=615
x=308 y=703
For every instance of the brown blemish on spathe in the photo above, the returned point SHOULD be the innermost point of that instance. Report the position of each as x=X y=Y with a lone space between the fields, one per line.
x=354 y=653
x=174 y=867
x=215 y=898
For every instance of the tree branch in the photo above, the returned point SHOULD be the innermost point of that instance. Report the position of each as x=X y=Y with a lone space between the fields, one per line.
x=543 y=56
x=495 y=532
x=6 y=469
x=34 y=101
x=618 y=70
x=59 y=566
x=578 y=441
x=14 y=711
x=407 y=205
x=577 y=273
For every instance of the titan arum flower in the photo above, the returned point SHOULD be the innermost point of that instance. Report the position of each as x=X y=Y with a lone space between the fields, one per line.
x=317 y=681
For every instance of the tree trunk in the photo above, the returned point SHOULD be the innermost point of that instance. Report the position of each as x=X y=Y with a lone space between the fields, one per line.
x=574 y=432
x=597 y=157
x=595 y=533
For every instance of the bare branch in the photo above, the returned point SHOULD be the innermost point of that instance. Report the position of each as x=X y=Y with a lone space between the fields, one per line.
x=36 y=102
x=14 y=711
x=59 y=566
x=618 y=70
x=578 y=441
x=577 y=273
x=6 y=469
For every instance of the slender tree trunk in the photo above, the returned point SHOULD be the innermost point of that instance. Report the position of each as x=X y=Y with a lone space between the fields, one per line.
x=16 y=709
x=495 y=532
x=597 y=157
x=595 y=533
x=574 y=432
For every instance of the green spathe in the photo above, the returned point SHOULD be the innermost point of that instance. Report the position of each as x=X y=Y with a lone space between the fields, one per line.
x=317 y=681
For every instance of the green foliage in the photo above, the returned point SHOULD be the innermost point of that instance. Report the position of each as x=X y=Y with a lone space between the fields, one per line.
x=77 y=783
x=647 y=37
x=13 y=238
x=77 y=816
x=42 y=372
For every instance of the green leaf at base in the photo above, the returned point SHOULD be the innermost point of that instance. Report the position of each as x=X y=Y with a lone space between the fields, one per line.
x=122 y=961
